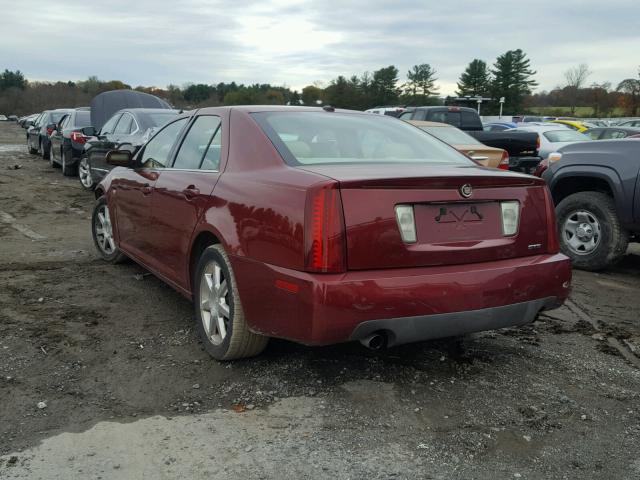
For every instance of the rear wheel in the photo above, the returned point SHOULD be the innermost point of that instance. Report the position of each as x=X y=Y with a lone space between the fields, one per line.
x=102 y=230
x=45 y=153
x=590 y=231
x=32 y=151
x=219 y=314
x=84 y=174
x=68 y=170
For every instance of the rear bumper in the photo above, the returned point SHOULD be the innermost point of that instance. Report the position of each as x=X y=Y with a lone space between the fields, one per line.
x=410 y=304
x=440 y=325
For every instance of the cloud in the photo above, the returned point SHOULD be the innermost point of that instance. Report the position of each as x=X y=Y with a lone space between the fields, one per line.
x=297 y=42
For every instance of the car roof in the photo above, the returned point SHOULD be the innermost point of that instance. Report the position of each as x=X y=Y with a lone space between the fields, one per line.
x=542 y=128
x=280 y=108
x=147 y=110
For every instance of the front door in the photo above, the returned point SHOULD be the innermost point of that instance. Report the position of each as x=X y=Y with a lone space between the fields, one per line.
x=181 y=195
x=134 y=188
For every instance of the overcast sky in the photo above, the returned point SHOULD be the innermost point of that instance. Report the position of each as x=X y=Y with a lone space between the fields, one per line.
x=298 y=42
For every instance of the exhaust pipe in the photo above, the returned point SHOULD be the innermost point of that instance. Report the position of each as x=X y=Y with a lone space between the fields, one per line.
x=375 y=341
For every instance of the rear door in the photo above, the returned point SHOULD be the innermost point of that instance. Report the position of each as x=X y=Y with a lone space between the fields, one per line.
x=181 y=195
x=98 y=149
x=134 y=188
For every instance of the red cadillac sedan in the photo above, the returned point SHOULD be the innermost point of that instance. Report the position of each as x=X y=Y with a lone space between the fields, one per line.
x=323 y=226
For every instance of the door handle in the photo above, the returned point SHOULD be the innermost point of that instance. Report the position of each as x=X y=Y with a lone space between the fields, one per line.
x=146 y=189
x=190 y=192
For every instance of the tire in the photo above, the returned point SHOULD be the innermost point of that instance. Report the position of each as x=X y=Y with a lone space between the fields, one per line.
x=102 y=232
x=239 y=341
x=32 y=151
x=52 y=161
x=67 y=170
x=84 y=175
x=46 y=154
x=589 y=230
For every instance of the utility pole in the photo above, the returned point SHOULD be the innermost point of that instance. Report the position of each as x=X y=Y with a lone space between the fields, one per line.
x=501 y=103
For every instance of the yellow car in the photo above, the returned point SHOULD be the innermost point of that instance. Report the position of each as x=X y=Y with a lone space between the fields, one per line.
x=575 y=124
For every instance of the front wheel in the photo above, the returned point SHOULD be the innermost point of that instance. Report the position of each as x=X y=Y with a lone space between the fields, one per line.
x=102 y=230
x=590 y=231
x=220 y=318
x=84 y=174
x=68 y=170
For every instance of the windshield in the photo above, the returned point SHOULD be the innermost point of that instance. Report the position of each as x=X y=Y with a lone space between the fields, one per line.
x=558 y=136
x=452 y=136
x=317 y=138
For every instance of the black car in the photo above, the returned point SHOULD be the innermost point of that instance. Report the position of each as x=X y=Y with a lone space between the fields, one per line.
x=610 y=133
x=130 y=128
x=596 y=189
x=38 y=134
x=462 y=117
x=67 y=140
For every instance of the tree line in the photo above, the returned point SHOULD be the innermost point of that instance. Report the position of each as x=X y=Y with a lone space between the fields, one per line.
x=510 y=76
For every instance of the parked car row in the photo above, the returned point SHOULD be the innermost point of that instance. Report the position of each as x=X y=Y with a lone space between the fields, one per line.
x=276 y=221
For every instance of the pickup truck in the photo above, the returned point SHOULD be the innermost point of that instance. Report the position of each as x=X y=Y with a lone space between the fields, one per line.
x=596 y=189
x=521 y=146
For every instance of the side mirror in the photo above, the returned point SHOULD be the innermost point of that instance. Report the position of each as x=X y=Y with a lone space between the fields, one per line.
x=119 y=158
x=89 y=131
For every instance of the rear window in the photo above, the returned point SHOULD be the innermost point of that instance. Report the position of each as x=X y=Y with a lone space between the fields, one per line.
x=451 y=135
x=555 y=136
x=83 y=118
x=319 y=138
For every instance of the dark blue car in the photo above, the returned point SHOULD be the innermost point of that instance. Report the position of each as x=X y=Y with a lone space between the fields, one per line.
x=67 y=140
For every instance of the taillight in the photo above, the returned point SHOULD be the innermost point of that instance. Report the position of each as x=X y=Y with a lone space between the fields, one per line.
x=553 y=245
x=78 y=137
x=538 y=143
x=504 y=161
x=324 y=236
x=49 y=131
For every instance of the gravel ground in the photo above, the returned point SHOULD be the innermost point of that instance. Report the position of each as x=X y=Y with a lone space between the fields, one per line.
x=102 y=375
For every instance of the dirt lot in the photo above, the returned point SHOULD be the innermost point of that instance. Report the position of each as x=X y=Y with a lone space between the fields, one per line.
x=130 y=393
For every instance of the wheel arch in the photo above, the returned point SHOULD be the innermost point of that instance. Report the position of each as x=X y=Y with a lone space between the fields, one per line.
x=570 y=180
x=201 y=240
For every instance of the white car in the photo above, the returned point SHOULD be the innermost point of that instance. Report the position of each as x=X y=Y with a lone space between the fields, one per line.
x=3 y=118
x=553 y=137
x=392 y=111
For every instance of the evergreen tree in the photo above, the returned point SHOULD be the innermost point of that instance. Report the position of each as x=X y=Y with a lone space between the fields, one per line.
x=421 y=82
x=512 y=79
x=384 y=90
x=475 y=80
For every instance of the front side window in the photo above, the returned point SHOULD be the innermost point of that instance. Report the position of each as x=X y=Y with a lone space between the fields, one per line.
x=317 y=138
x=156 y=152
x=198 y=149
x=57 y=116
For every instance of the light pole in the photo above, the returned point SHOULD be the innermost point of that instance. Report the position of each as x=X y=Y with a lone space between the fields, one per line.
x=501 y=103
x=479 y=100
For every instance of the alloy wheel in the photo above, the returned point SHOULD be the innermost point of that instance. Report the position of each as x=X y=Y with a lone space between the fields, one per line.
x=85 y=174
x=582 y=232
x=214 y=303
x=104 y=231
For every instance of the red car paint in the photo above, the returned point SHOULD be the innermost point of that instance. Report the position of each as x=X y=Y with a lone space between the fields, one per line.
x=256 y=208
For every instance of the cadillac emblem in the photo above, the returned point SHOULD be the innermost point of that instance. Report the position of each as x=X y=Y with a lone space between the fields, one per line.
x=466 y=191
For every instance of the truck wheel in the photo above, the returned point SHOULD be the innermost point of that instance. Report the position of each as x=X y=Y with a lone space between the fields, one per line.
x=590 y=231
x=220 y=318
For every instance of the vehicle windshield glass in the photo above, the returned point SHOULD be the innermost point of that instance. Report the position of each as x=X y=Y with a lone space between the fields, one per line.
x=555 y=136
x=83 y=118
x=452 y=136
x=160 y=118
x=318 y=138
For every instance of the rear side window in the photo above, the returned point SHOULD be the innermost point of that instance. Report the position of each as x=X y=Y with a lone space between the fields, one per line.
x=125 y=124
x=56 y=116
x=594 y=134
x=406 y=115
x=198 y=150
x=157 y=150
x=110 y=125
x=318 y=138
